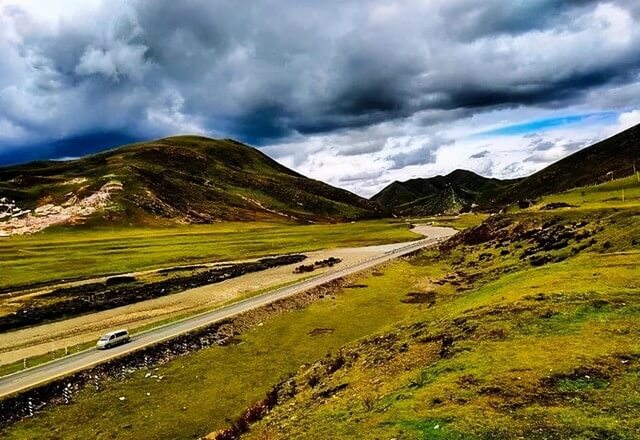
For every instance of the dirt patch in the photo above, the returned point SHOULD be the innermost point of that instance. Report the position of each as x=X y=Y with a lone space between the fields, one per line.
x=597 y=374
x=181 y=269
x=556 y=205
x=321 y=331
x=428 y=298
x=74 y=210
x=121 y=279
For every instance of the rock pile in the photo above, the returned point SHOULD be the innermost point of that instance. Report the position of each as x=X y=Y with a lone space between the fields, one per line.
x=329 y=262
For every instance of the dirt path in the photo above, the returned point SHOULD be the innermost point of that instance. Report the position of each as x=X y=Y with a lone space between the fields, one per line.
x=20 y=344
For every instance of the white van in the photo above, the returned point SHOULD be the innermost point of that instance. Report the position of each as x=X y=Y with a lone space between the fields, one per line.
x=112 y=339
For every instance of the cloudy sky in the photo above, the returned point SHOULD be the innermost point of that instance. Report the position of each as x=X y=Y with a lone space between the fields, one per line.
x=356 y=93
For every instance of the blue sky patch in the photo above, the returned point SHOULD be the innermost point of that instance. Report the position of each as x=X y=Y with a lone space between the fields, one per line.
x=541 y=125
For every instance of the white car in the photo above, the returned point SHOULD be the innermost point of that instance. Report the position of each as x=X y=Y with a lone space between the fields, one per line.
x=112 y=339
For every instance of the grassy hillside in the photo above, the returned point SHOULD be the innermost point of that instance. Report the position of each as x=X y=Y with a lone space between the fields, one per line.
x=526 y=326
x=450 y=194
x=532 y=333
x=180 y=179
x=616 y=155
x=619 y=193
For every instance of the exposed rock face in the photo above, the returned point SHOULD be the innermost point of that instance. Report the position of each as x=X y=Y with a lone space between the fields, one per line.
x=22 y=222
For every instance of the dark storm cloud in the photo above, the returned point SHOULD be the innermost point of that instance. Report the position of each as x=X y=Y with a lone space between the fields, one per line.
x=499 y=17
x=72 y=147
x=266 y=71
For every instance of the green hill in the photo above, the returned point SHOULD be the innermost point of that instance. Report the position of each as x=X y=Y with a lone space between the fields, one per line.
x=184 y=179
x=456 y=192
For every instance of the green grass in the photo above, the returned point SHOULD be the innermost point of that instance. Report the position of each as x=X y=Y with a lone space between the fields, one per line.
x=620 y=193
x=78 y=252
x=217 y=383
x=460 y=222
x=539 y=352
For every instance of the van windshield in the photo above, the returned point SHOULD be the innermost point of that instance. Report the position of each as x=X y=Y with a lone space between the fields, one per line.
x=104 y=338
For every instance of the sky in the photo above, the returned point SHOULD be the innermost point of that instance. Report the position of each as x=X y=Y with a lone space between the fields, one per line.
x=355 y=93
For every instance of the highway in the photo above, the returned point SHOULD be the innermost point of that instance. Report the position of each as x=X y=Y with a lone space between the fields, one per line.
x=43 y=373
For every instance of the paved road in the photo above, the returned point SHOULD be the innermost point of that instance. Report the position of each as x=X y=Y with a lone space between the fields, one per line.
x=62 y=367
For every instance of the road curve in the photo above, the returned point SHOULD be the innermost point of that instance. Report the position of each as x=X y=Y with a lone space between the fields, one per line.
x=43 y=373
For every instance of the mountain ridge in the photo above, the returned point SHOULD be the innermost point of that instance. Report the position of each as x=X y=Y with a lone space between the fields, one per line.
x=458 y=191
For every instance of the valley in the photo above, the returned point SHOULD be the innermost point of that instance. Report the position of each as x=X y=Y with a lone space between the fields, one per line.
x=74 y=332
x=32 y=262
x=347 y=220
x=357 y=329
x=472 y=327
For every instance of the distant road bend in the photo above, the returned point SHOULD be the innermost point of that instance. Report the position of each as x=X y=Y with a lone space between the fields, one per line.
x=43 y=373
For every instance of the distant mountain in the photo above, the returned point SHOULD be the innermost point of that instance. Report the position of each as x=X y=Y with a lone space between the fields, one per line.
x=612 y=158
x=450 y=194
x=185 y=179
x=615 y=157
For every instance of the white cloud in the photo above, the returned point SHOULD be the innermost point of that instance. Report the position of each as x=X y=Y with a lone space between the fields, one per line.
x=627 y=120
x=117 y=62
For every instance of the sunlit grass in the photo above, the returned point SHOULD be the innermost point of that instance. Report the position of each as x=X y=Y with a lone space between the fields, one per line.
x=460 y=222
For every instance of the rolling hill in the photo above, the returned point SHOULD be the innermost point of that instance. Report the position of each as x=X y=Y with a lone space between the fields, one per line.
x=457 y=191
x=185 y=179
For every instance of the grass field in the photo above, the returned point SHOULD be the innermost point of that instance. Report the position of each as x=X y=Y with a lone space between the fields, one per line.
x=77 y=252
x=460 y=222
x=214 y=385
x=502 y=376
